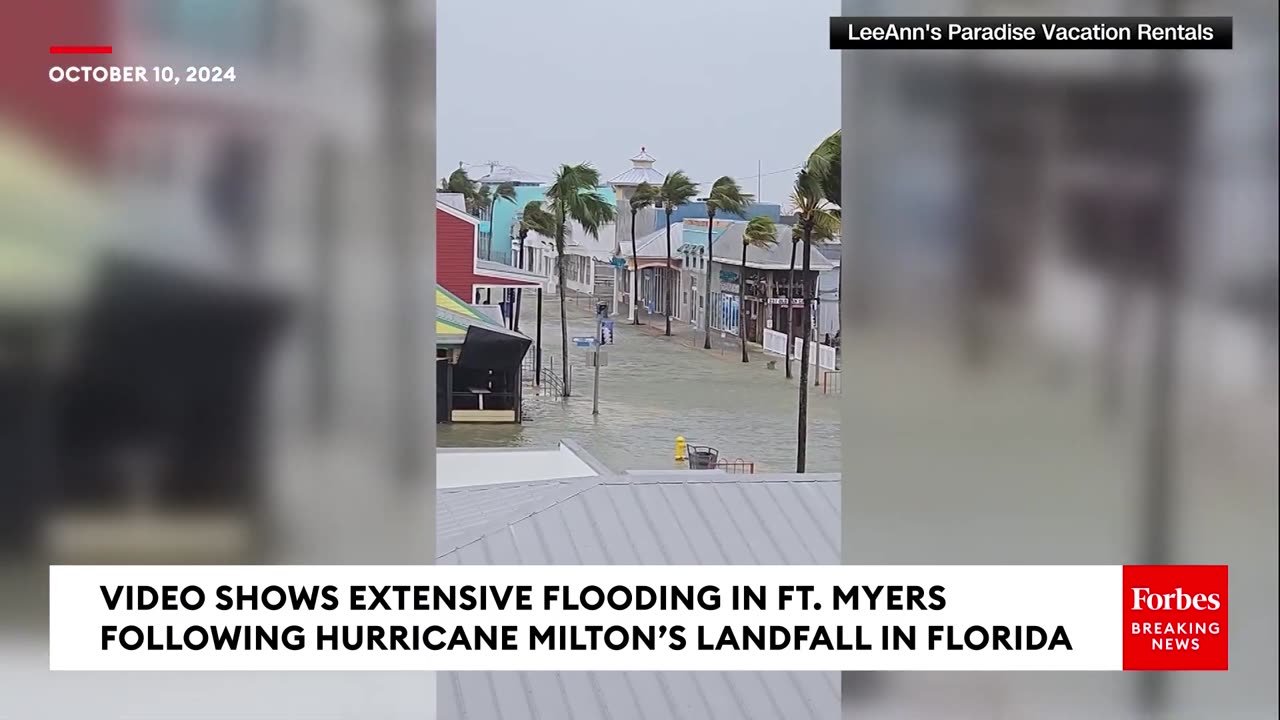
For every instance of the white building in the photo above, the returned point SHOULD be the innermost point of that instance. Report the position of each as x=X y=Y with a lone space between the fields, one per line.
x=624 y=186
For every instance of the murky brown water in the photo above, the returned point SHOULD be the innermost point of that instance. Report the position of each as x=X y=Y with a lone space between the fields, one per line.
x=655 y=388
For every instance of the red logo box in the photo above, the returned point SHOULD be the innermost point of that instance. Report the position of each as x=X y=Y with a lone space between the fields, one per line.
x=1175 y=617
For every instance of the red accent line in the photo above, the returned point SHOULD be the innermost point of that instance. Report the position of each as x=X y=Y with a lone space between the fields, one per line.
x=79 y=49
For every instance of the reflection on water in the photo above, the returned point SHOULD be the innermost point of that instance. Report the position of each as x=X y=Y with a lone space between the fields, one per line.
x=656 y=388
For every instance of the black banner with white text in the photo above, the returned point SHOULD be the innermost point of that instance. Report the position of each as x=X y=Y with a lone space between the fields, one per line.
x=1032 y=33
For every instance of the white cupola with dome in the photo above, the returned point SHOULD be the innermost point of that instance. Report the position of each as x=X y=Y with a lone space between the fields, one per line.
x=641 y=171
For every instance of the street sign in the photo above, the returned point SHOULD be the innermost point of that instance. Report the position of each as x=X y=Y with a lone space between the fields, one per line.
x=584 y=342
x=591 y=358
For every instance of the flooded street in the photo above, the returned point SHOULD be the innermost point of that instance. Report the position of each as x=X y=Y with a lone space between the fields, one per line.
x=655 y=388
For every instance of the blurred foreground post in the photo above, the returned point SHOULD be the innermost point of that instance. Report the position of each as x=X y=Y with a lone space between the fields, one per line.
x=1159 y=463
x=407 y=299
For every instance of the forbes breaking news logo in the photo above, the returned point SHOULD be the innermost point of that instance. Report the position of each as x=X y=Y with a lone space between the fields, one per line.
x=1175 y=617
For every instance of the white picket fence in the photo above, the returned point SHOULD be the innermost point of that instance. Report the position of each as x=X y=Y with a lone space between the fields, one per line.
x=824 y=356
x=774 y=342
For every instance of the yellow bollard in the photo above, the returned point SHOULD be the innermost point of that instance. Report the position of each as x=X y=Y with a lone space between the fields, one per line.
x=679 y=448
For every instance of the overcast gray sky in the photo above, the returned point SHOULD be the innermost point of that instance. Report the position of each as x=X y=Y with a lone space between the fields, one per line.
x=708 y=86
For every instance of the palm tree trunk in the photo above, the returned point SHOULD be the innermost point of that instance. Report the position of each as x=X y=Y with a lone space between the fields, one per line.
x=706 y=310
x=635 y=273
x=791 y=326
x=802 y=431
x=564 y=315
x=515 y=313
x=667 y=283
x=742 y=303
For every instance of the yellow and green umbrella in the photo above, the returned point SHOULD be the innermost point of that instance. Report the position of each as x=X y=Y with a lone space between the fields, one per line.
x=48 y=219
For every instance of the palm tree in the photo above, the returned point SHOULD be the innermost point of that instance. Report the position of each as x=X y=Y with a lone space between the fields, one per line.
x=533 y=219
x=795 y=240
x=459 y=182
x=676 y=190
x=572 y=197
x=725 y=195
x=503 y=191
x=477 y=205
x=762 y=233
x=479 y=201
x=644 y=196
x=824 y=162
x=489 y=197
x=825 y=229
x=813 y=213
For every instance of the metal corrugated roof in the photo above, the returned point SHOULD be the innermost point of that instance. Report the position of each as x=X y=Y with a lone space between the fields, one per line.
x=467 y=514
x=637 y=175
x=660 y=519
x=641 y=171
x=727 y=249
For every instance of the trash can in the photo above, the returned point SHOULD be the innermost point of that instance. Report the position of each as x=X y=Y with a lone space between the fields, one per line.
x=702 y=457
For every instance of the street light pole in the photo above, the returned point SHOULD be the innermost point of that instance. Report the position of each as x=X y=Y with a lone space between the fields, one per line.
x=595 y=390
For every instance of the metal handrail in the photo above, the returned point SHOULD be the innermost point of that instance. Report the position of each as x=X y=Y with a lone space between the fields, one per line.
x=737 y=467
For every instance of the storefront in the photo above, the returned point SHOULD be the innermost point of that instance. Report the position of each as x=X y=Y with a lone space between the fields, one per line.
x=654 y=282
x=478 y=365
x=726 y=306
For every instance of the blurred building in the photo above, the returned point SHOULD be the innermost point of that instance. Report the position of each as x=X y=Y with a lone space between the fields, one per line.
x=1046 y=182
x=302 y=177
x=1049 y=365
x=260 y=180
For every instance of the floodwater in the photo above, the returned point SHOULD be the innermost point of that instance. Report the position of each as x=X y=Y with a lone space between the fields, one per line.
x=655 y=388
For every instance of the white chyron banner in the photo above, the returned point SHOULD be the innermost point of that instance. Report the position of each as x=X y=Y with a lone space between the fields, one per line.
x=668 y=618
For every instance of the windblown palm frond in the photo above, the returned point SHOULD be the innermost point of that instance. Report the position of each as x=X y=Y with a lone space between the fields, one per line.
x=676 y=190
x=573 y=196
x=535 y=219
x=644 y=196
x=505 y=191
x=480 y=200
x=824 y=164
x=812 y=210
x=760 y=232
x=826 y=227
x=459 y=182
x=727 y=196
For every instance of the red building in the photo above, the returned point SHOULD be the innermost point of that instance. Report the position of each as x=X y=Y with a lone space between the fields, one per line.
x=460 y=270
